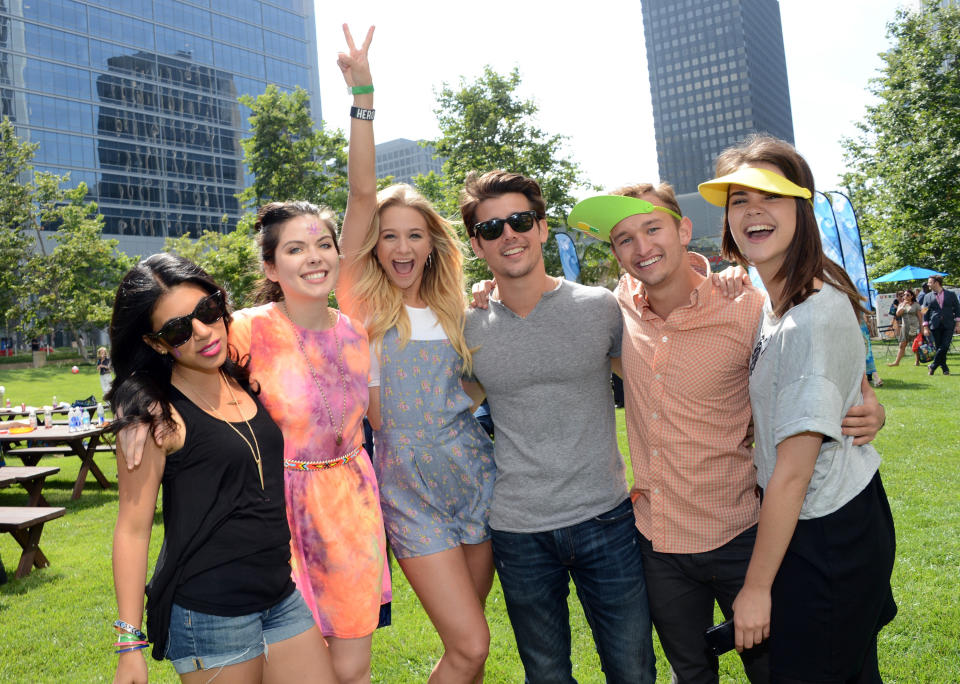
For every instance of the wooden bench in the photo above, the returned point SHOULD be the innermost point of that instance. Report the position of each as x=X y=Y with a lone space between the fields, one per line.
x=32 y=479
x=25 y=523
x=32 y=455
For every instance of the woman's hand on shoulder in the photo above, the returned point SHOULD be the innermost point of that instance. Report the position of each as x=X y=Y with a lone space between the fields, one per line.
x=353 y=63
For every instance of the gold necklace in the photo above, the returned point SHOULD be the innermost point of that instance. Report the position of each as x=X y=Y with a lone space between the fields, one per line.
x=338 y=432
x=254 y=453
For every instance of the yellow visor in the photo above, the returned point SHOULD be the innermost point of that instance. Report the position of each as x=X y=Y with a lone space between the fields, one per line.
x=715 y=191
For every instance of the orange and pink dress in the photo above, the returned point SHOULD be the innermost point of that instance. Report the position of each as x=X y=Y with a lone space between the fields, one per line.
x=338 y=546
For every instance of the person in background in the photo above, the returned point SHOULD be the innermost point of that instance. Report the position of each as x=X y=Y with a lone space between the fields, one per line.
x=911 y=320
x=103 y=368
x=941 y=319
x=893 y=313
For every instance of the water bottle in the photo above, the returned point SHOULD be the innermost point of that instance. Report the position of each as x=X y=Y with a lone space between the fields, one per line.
x=48 y=417
x=84 y=418
x=55 y=401
x=101 y=419
x=33 y=418
x=72 y=419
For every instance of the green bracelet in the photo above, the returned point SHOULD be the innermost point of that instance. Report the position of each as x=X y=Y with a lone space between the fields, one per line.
x=361 y=90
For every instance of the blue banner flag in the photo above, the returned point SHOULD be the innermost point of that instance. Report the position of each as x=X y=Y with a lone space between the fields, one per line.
x=568 y=257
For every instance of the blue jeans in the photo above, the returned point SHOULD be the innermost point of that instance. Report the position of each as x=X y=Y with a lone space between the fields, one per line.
x=602 y=555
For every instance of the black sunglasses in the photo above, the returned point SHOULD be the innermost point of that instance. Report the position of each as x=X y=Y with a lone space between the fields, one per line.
x=178 y=331
x=521 y=222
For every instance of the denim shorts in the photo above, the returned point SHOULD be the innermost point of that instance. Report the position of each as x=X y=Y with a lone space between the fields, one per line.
x=199 y=641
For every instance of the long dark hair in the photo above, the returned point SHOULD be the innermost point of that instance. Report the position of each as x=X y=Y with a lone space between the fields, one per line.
x=804 y=259
x=141 y=390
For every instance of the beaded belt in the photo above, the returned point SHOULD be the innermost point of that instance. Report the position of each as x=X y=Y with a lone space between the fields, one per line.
x=322 y=465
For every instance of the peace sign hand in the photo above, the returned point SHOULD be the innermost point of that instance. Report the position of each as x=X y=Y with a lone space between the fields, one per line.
x=353 y=63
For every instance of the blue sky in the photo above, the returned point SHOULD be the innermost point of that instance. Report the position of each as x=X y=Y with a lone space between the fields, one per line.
x=585 y=66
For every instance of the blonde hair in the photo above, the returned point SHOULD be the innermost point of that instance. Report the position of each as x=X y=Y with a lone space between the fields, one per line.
x=442 y=285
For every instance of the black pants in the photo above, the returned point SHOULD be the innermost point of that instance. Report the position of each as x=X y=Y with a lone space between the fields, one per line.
x=941 y=338
x=682 y=588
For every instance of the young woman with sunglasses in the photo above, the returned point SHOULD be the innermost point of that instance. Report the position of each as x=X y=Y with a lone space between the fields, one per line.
x=818 y=582
x=403 y=276
x=311 y=365
x=221 y=592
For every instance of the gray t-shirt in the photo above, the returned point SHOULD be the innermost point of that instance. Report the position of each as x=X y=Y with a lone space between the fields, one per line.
x=805 y=375
x=547 y=377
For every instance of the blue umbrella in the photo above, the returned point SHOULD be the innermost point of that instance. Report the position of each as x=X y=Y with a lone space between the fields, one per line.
x=908 y=273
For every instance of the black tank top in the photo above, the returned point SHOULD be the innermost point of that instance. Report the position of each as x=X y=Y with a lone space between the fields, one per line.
x=211 y=489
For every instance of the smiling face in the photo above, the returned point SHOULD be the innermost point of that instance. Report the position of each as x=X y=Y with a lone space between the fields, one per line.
x=206 y=349
x=652 y=247
x=306 y=261
x=762 y=224
x=403 y=247
x=513 y=254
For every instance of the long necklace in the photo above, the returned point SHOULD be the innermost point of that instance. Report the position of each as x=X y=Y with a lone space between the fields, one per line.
x=255 y=447
x=338 y=432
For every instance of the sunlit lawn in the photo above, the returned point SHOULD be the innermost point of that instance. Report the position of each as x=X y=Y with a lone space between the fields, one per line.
x=55 y=624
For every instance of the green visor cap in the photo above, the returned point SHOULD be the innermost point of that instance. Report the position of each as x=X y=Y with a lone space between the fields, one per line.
x=715 y=191
x=596 y=216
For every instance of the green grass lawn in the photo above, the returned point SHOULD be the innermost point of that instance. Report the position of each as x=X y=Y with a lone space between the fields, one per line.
x=55 y=624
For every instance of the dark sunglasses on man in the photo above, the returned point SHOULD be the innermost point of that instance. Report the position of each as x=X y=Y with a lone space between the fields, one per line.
x=178 y=331
x=521 y=222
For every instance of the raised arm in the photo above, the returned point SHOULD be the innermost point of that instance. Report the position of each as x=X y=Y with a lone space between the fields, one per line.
x=361 y=160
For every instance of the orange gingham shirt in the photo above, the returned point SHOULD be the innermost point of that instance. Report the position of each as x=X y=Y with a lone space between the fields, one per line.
x=686 y=383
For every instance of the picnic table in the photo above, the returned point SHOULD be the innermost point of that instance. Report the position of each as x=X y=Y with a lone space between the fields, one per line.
x=25 y=523
x=58 y=440
x=31 y=478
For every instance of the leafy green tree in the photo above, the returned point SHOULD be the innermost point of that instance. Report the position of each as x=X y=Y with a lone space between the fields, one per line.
x=288 y=157
x=16 y=214
x=905 y=161
x=74 y=285
x=485 y=125
x=231 y=258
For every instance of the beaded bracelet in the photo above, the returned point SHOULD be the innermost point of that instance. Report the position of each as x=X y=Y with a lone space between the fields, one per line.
x=122 y=626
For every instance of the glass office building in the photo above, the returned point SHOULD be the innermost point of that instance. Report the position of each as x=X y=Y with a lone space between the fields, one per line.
x=138 y=98
x=717 y=73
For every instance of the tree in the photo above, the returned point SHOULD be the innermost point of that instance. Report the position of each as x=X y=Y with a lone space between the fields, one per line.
x=17 y=218
x=485 y=125
x=905 y=161
x=74 y=285
x=288 y=158
x=230 y=258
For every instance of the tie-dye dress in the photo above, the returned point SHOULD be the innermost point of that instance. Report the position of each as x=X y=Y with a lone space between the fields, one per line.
x=336 y=527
